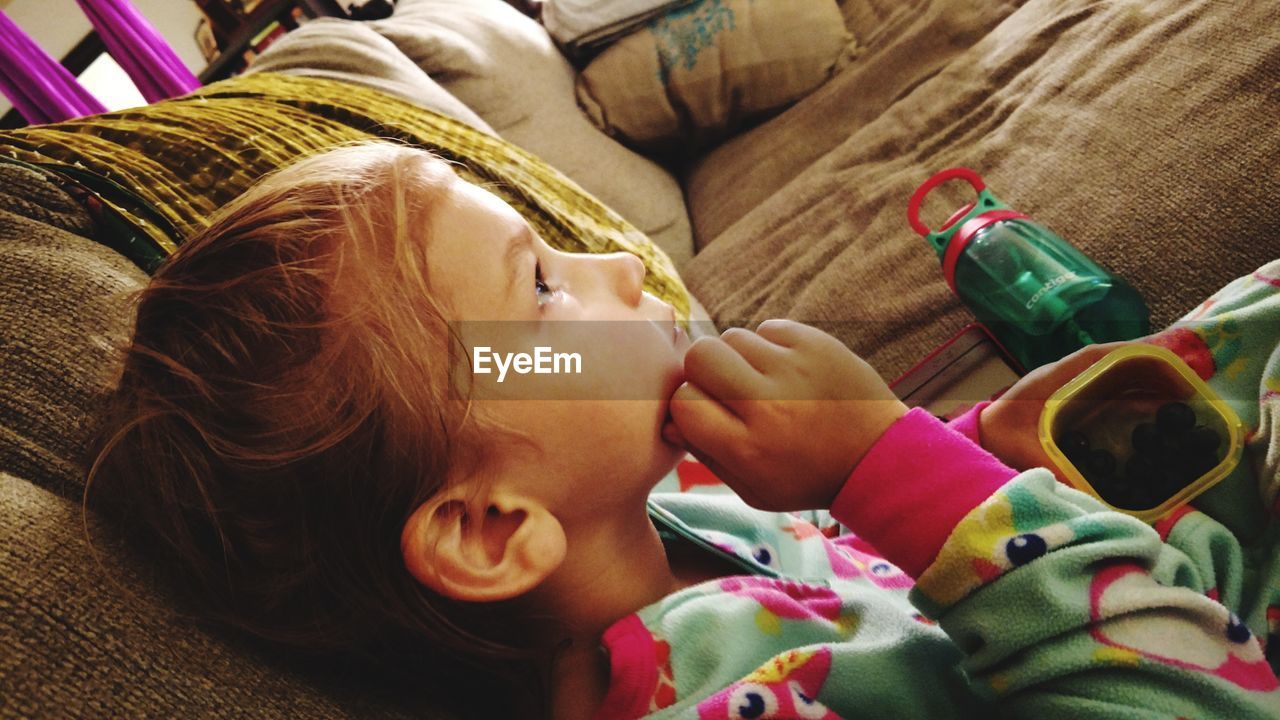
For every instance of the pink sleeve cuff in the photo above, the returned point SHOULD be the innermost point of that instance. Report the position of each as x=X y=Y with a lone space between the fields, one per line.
x=967 y=424
x=913 y=486
x=633 y=670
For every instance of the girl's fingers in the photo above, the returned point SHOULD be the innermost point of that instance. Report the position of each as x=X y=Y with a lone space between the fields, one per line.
x=787 y=333
x=762 y=354
x=721 y=372
x=704 y=426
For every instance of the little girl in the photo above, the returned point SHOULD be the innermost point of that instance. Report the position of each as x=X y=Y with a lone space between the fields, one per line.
x=301 y=429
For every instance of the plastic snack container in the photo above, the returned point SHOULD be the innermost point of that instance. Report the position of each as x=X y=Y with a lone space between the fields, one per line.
x=1108 y=401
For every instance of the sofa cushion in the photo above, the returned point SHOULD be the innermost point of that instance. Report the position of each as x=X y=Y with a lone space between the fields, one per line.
x=354 y=52
x=62 y=307
x=505 y=67
x=900 y=44
x=96 y=633
x=1135 y=130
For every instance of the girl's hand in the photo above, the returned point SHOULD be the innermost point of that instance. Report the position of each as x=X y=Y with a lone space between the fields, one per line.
x=1009 y=427
x=782 y=415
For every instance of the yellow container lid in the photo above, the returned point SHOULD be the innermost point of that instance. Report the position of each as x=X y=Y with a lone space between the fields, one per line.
x=1118 y=391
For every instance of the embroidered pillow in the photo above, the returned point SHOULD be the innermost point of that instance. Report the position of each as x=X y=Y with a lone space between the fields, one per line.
x=694 y=75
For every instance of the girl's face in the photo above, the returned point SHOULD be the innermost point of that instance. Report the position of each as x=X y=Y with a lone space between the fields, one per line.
x=595 y=422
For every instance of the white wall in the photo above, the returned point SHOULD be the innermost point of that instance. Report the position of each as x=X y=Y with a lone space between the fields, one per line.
x=57 y=25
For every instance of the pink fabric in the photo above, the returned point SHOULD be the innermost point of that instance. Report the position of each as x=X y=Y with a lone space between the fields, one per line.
x=913 y=486
x=633 y=670
x=967 y=424
x=139 y=49
x=38 y=86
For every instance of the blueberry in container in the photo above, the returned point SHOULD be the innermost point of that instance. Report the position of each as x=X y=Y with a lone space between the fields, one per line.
x=1141 y=431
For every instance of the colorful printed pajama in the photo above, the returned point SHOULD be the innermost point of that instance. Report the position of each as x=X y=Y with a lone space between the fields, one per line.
x=1031 y=599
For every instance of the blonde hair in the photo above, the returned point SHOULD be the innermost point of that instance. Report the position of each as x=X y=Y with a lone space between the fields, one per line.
x=284 y=405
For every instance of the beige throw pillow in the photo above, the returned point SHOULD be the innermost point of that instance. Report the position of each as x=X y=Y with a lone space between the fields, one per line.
x=692 y=76
x=505 y=67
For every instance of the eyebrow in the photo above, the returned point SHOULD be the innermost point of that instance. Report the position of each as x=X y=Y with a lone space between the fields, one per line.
x=521 y=241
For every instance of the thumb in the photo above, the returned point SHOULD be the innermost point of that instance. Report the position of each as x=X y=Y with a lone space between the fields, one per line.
x=671 y=434
x=704 y=423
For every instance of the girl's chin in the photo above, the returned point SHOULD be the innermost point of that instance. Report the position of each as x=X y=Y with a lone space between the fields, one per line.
x=673 y=457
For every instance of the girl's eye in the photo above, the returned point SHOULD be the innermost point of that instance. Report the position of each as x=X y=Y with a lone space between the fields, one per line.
x=543 y=291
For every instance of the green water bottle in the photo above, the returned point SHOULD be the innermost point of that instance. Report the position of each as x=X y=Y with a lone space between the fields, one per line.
x=1040 y=296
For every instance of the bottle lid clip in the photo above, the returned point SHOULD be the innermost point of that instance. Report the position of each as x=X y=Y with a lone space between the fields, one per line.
x=950 y=240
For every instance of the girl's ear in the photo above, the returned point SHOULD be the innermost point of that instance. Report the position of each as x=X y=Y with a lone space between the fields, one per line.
x=482 y=551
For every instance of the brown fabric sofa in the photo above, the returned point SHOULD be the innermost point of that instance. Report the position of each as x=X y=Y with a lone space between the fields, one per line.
x=1141 y=130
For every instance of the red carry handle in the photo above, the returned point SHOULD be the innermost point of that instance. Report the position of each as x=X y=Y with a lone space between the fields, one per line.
x=917 y=198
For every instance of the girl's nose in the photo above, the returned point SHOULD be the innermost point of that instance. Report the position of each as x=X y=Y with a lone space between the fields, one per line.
x=628 y=276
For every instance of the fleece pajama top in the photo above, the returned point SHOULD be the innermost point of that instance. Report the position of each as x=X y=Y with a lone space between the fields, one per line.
x=972 y=591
